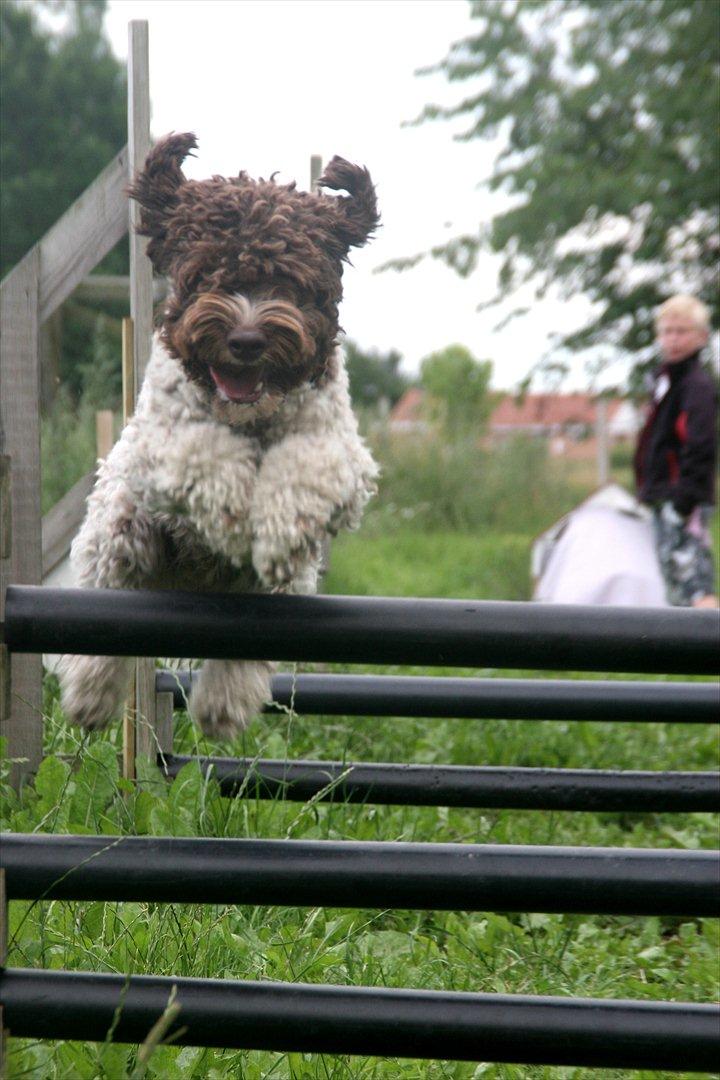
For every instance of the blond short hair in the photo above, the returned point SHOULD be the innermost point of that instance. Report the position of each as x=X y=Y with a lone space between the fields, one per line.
x=689 y=306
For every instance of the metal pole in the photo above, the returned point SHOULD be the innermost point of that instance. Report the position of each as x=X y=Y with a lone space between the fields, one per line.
x=299 y=873
x=499 y=699
x=362 y=630
x=600 y=791
x=365 y=1020
x=602 y=435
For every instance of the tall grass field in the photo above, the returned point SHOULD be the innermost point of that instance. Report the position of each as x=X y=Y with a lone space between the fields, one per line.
x=449 y=522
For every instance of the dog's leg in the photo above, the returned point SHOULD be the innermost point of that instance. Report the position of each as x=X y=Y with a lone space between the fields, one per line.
x=94 y=688
x=308 y=487
x=117 y=547
x=228 y=693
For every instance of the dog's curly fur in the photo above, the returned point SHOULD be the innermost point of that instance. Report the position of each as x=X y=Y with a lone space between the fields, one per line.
x=243 y=453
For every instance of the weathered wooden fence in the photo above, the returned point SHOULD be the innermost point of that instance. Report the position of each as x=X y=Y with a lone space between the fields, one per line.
x=29 y=295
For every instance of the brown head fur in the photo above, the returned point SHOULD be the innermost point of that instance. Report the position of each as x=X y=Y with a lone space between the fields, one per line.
x=255 y=259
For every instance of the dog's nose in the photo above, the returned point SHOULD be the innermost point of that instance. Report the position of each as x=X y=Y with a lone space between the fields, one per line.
x=246 y=344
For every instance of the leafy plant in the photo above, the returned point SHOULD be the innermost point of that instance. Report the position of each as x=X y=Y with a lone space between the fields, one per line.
x=608 y=112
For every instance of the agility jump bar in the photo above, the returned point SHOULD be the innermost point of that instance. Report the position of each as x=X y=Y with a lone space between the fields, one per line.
x=458 y=785
x=479 y=699
x=361 y=630
x=352 y=874
x=363 y=1020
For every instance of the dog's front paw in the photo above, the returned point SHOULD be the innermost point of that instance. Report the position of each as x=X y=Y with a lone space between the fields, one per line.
x=228 y=693
x=93 y=688
x=281 y=557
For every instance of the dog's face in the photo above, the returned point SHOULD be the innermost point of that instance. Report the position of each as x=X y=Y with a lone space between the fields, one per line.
x=256 y=270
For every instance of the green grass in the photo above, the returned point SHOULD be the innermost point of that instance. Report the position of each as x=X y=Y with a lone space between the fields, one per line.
x=400 y=551
x=436 y=564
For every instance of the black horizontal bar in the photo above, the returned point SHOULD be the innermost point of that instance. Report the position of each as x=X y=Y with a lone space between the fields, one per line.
x=500 y=699
x=441 y=877
x=364 y=1020
x=459 y=785
x=362 y=630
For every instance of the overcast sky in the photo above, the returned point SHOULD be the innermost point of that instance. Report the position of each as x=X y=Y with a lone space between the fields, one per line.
x=266 y=83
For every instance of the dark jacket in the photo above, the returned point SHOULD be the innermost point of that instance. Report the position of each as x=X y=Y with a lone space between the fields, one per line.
x=676 y=451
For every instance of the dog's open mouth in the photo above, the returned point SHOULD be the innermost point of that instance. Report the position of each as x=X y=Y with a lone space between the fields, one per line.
x=241 y=384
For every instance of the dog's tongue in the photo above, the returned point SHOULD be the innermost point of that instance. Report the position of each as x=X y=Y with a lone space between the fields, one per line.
x=241 y=385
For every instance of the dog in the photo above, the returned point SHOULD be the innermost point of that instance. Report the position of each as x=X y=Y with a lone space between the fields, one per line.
x=243 y=453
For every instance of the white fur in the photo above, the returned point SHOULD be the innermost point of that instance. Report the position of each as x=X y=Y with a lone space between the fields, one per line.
x=184 y=500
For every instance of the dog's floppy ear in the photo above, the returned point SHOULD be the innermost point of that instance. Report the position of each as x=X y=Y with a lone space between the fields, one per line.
x=156 y=190
x=358 y=216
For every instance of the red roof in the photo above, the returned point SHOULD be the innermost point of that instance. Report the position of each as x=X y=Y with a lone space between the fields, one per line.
x=407 y=410
x=535 y=411
x=547 y=410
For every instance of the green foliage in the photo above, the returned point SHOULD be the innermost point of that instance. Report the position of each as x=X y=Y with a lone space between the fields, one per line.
x=97 y=372
x=373 y=375
x=62 y=118
x=458 y=386
x=89 y=362
x=67 y=447
x=610 y=116
x=460 y=486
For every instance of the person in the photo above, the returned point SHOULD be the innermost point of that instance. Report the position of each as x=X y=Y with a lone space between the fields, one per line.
x=676 y=453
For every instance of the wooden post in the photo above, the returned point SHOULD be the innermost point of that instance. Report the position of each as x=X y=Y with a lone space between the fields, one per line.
x=315 y=173
x=5 y=540
x=141 y=280
x=22 y=548
x=128 y=370
x=152 y=741
x=165 y=723
x=3 y=963
x=141 y=312
x=316 y=166
x=5 y=515
x=128 y=394
x=104 y=432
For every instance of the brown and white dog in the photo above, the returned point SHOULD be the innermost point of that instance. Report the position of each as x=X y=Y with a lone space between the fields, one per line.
x=243 y=453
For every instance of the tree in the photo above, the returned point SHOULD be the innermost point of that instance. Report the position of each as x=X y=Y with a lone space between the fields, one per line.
x=62 y=115
x=610 y=112
x=62 y=120
x=458 y=387
x=374 y=375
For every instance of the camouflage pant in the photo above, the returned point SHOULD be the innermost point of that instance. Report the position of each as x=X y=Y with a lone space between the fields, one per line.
x=685 y=552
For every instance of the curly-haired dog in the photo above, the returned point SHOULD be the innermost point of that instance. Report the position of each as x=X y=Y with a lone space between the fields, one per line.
x=243 y=453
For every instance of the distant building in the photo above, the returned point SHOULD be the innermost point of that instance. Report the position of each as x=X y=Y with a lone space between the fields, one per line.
x=560 y=418
x=570 y=415
x=407 y=415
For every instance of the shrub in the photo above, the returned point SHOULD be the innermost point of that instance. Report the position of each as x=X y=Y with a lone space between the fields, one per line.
x=510 y=488
x=67 y=447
